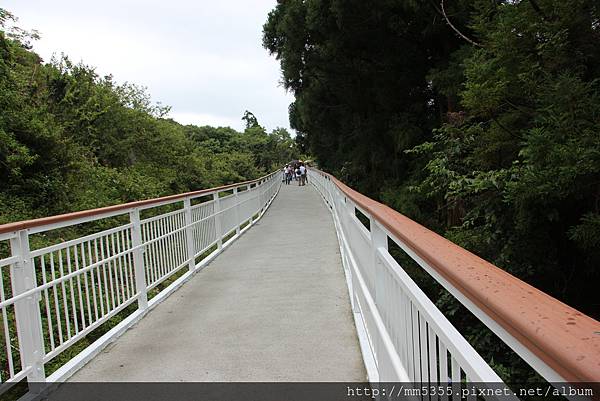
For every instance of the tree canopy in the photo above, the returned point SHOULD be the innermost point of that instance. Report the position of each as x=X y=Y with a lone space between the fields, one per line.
x=71 y=139
x=480 y=119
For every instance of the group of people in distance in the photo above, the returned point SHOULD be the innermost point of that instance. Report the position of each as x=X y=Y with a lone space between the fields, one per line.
x=295 y=171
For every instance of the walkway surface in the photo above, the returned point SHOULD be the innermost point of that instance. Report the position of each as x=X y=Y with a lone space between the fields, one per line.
x=272 y=307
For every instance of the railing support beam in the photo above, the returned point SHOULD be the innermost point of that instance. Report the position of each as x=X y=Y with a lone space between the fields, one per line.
x=138 y=259
x=218 y=220
x=379 y=239
x=237 y=210
x=189 y=235
x=27 y=312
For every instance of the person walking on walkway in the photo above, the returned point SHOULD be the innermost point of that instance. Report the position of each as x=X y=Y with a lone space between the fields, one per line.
x=302 y=171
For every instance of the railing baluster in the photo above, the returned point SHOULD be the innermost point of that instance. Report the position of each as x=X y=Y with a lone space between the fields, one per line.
x=443 y=370
x=164 y=249
x=99 y=278
x=92 y=279
x=455 y=377
x=72 y=290
x=86 y=284
x=65 y=301
x=47 y=303
x=5 y=324
x=181 y=239
x=112 y=264
x=149 y=253
x=81 y=308
x=423 y=348
x=170 y=243
x=130 y=262
x=433 y=360
x=118 y=270
x=27 y=312
x=153 y=250
x=123 y=262
x=160 y=245
x=407 y=337
x=168 y=257
x=56 y=303
x=165 y=224
x=415 y=344
x=102 y=257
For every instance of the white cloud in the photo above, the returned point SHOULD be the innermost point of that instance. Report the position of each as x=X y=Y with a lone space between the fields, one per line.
x=201 y=119
x=203 y=58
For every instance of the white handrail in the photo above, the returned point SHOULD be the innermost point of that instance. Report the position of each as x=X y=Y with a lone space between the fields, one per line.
x=60 y=293
x=555 y=339
x=408 y=336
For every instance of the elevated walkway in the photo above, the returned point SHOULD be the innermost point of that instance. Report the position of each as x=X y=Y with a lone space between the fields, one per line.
x=273 y=307
x=260 y=282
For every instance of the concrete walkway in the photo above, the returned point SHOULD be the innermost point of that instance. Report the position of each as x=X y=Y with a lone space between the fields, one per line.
x=272 y=307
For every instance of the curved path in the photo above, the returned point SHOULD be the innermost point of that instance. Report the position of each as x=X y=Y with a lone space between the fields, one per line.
x=272 y=307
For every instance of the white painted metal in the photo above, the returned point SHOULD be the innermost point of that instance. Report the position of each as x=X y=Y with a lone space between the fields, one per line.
x=409 y=338
x=533 y=360
x=27 y=311
x=189 y=234
x=218 y=220
x=55 y=296
x=237 y=210
x=138 y=259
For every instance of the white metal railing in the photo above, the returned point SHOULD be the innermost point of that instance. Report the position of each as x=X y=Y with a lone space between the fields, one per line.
x=54 y=296
x=408 y=338
x=405 y=337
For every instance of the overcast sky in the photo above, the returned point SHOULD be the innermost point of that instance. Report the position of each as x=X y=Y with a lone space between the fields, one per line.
x=203 y=58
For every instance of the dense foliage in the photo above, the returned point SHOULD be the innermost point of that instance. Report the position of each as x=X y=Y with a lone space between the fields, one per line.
x=478 y=118
x=72 y=140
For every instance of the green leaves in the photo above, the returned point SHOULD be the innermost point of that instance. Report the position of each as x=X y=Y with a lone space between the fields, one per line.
x=72 y=140
x=497 y=147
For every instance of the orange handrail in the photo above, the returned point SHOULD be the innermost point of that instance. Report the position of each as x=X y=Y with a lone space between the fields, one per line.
x=567 y=340
x=22 y=225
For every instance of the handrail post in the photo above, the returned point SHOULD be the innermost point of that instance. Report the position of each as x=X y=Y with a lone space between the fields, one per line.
x=261 y=195
x=138 y=259
x=349 y=212
x=237 y=210
x=257 y=198
x=378 y=240
x=218 y=218
x=345 y=218
x=27 y=312
x=189 y=234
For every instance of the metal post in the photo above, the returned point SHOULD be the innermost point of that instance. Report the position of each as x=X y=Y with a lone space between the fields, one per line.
x=378 y=240
x=237 y=210
x=345 y=217
x=138 y=259
x=189 y=235
x=27 y=312
x=260 y=196
x=348 y=213
x=218 y=218
x=257 y=197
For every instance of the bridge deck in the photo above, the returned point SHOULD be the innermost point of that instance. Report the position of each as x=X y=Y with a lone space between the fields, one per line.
x=272 y=307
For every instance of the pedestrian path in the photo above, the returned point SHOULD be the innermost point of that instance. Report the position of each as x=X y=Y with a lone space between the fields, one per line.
x=272 y=307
